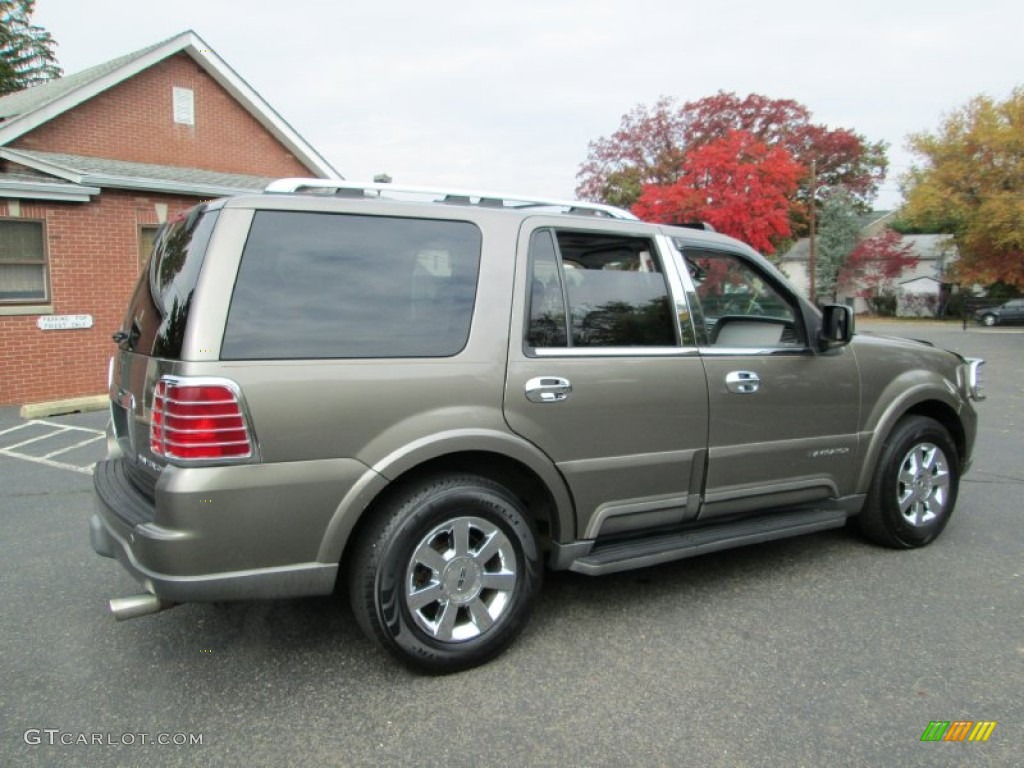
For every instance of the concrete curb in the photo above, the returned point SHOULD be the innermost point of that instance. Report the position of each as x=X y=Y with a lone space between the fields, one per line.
x=58 y=407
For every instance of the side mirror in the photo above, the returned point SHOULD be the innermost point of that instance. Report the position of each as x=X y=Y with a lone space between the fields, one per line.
x=836 y=327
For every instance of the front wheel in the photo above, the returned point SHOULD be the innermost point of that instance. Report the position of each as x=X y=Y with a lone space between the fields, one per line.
x=445 y=577
x=988 y=320
x=915 y=486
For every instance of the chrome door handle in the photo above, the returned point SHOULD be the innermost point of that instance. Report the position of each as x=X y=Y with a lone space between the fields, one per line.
x=547 y=389
x=743 y=382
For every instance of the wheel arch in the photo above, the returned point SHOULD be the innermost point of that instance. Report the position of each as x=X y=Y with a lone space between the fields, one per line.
x=947 y=417
x=505 y=459
x=921 y=401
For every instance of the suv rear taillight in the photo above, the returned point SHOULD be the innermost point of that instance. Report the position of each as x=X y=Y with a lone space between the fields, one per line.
x=199 y=419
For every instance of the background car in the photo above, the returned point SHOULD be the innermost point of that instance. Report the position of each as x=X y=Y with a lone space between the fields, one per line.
x=1011 y=311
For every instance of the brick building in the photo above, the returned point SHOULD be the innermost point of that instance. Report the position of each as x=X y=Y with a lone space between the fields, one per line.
x=90 y=165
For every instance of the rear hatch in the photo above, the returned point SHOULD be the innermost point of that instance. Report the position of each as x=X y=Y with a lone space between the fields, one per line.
x=151 y=337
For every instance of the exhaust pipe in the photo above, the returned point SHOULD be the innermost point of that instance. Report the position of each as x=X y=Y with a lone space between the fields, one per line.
x=125 y=608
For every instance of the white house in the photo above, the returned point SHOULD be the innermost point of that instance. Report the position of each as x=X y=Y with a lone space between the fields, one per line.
x=919 y=296
x=918 y=289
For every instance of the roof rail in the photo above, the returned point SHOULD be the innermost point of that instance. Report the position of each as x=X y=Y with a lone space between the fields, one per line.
x=450 y=196
x=694 y=225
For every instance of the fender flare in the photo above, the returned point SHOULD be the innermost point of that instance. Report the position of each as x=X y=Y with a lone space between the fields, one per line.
x=393 y=466
x=937 y=389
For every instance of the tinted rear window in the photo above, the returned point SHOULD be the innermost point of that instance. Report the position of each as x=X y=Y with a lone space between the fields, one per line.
x=316 y=285
x=163 y=297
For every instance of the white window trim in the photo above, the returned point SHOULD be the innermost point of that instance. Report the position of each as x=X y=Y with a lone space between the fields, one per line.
x=183 y=105
x=43 y=304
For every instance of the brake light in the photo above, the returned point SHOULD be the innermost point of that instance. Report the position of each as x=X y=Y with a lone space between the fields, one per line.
x=198 y=419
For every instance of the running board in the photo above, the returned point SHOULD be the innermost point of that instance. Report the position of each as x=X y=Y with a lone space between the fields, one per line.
x=622 y=556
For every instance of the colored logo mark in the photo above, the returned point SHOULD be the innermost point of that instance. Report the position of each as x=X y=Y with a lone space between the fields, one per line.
x=958 y=730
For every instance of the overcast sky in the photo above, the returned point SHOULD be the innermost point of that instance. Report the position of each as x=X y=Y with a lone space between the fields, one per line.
x=505 y=96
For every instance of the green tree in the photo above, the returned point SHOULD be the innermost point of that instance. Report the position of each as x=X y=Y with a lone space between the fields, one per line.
x=26 y=50
x=971 y=185
x=836 y=239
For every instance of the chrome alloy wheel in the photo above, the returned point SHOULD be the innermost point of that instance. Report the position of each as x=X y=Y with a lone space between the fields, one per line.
x=460 y=579
x=922 y=491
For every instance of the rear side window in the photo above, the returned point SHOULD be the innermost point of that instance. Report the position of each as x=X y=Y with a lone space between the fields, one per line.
x=318 y=285
x=163 y=297
x=597 y=289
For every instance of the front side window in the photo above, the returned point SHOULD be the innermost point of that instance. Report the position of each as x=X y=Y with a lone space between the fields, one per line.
x=590 y=289
x=737 y=306
x=23 y=272
x=322 y=285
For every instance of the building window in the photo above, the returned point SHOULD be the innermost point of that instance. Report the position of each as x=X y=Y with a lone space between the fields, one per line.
x=23 y=277
x=184 y=106
x=147 y=236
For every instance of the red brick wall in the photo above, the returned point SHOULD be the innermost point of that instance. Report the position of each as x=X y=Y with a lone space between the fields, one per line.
x=93 y=253
x=134 y=121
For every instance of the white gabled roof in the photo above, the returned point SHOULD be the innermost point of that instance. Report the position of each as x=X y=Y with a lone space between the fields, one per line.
x=26 y=110
x=31 y=187
x=118 y=174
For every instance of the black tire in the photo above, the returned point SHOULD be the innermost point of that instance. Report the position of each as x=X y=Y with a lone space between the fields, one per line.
x=988 y=320
x=456 y=539
x=914 y=489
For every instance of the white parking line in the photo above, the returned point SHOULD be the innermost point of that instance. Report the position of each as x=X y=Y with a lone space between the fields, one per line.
x=72 y=447
x=46 y=460
x=35 y=439
x=63 y=427
x=12 y=429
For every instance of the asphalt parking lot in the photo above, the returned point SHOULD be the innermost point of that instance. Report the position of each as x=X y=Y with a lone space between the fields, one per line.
x=820 y=650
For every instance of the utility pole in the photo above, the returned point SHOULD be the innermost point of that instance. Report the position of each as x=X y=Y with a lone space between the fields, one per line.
x=812 y=258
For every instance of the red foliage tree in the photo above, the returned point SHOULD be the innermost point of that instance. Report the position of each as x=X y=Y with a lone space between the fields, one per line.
x=843 y=158
x=876 y=262
x=650 y=144
x=736 y=183
x=648 y=148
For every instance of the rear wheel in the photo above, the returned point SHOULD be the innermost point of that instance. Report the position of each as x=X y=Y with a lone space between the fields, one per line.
x=445 y=577
x=915 y=486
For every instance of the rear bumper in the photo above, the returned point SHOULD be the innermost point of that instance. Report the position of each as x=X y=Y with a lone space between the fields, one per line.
x=123 y=528
x=262 y=583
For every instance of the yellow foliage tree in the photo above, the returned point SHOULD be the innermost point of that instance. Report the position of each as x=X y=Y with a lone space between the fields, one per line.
x=971 y=185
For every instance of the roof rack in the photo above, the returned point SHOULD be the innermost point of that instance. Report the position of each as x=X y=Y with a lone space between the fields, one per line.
x=694 y=225
x=449 y=196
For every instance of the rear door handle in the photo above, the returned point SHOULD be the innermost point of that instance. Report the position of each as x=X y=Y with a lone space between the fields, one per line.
x=547 y=389
x=743 y=382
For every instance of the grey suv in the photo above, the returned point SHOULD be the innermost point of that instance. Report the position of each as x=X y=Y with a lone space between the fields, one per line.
x=430 y=397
